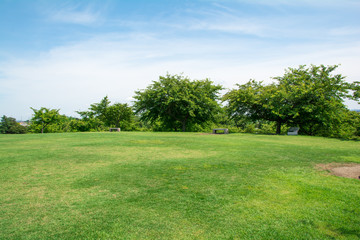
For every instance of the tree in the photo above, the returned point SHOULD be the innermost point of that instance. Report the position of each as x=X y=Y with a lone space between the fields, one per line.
x=103 y=114
x=316 y=96
x=95 y=118
x=120 y=115
x=311 y=98
x=256 y=102
x=8 y=125
x=45 y=116
x=97 y=110
x=178 y=102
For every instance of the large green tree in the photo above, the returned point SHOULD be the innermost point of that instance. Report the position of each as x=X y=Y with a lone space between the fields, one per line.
x=309 y=97
x=256 y=102
x=178 y=102
x=44 y=117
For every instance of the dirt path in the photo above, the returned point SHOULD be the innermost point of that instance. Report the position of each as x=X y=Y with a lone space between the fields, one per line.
x=348 y=170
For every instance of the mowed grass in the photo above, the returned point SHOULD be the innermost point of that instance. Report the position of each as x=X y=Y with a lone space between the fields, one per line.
x=133 y=185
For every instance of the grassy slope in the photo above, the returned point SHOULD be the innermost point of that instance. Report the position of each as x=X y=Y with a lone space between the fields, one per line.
x=173 y=185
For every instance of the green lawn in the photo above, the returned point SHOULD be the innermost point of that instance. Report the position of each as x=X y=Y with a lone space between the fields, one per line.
x=132 y=185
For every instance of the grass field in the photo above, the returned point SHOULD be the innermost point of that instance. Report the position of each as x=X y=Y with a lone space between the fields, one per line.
x=175 y=186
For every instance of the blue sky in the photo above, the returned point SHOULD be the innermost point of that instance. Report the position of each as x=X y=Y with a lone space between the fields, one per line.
x=69 y=54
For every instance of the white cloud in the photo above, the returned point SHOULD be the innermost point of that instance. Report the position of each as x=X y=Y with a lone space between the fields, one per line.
x=220 y=18
x=75 y=14
x=302 y=3
x=75 y=17
x=279 y=19
x=236 y=26
x=345 y=31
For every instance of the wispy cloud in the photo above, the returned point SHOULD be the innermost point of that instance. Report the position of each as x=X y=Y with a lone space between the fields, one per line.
x=301 y=3
x=278 y=18
x=226 y=23
x=84 y=17
x=221 y=18
x=345 y=31
x=76 y=14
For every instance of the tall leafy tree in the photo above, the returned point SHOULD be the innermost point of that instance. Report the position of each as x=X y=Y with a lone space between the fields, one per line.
x=44 y=117
x=178 y=102
x=311 y=98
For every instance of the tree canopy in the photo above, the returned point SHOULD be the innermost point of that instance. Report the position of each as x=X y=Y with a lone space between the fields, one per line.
x=178 y=102
x=311 y=98
x=356 y=89
x=44 y=117
x=103 y=113
x=97 y=110
x=8 y=125
x=119 y=115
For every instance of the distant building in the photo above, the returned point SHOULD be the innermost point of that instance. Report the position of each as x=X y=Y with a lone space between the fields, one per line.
x=25 y=124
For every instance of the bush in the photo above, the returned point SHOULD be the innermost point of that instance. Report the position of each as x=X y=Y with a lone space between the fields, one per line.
x=8 y=125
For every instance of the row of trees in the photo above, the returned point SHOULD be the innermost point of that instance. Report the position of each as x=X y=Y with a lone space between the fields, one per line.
x=309 y=97
x=99 y=117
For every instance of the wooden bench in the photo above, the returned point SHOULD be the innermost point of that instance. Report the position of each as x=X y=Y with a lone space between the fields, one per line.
x=114 y=130
x=293 y=131
x=215 y=130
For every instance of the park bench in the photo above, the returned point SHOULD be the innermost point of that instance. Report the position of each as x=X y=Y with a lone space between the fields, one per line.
x=114 y=129
x=293 y=131
x=223 y=130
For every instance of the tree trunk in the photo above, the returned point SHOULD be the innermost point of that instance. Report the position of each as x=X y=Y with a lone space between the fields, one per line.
x=184 y=126
x=278 y=128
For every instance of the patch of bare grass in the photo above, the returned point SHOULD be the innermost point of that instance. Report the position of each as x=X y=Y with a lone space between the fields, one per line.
x=347 y=170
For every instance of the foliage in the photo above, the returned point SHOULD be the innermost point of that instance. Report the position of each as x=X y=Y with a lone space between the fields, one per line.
x=87 y=125
x=311 y=98
x=356 y=91
x=43 y=118
x=254 y=101
x=103 y=114
x=121 y=116
x=347 y=126
x=8 y=125
x=99 y=117
x=176 y=102
x=316 y=96
x=97 y=110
